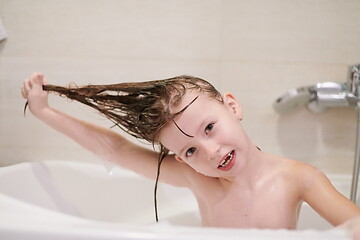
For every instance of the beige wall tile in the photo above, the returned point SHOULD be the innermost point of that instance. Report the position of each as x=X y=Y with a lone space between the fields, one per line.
x=122 y=29
x=296 y=31
x=256 y=49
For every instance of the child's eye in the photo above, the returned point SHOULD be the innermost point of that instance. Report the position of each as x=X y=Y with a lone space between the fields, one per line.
x=190 y=152
x=209 y=127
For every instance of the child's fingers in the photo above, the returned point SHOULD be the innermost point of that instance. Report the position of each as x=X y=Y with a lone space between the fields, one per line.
x=38 y=79
x=36 y=75
x=34 y=83
x=28 y=85
x=23 y=92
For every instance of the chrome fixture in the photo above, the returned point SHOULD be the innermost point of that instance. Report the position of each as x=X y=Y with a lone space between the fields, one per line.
x=3 y=36
x=353 y=82
x=317 y=98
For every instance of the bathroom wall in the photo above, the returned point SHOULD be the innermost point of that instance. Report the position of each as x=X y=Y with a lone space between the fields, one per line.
x=257 y=49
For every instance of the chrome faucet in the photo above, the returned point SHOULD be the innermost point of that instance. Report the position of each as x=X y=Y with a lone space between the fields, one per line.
x=321 y=96
x=353 y=88
x=353 y=80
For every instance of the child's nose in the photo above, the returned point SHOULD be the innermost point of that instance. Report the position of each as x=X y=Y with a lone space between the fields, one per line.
x=211 y=149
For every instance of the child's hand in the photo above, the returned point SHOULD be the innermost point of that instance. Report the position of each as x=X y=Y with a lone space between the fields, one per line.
x=32 y=90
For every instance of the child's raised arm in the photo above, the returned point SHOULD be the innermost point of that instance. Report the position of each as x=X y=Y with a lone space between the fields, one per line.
x=102 y=142
x=320 y=194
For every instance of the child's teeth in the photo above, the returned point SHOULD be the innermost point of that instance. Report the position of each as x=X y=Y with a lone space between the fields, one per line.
x=226 y=161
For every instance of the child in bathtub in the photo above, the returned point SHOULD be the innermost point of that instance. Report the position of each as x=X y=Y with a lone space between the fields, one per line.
x=202 y=147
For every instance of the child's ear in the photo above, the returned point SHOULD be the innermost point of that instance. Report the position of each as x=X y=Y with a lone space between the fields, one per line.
x=233 y=104
x=179 y=159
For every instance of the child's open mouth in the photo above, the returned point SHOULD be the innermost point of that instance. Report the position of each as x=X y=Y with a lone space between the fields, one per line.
x=227 y=163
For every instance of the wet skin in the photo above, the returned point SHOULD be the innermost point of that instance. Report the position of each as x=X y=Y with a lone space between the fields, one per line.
x=252 y=190
x=237 y=185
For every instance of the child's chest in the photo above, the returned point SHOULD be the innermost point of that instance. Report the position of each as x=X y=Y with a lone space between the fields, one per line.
x=261 y=208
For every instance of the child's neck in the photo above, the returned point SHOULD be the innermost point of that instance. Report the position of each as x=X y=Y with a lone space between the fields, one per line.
x=257 y=166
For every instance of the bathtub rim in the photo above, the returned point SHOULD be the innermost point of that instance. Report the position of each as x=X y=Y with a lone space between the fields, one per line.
x=65 y=223
x=72 y=227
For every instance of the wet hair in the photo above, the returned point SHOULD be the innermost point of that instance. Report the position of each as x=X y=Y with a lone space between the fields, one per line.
x=141 y=109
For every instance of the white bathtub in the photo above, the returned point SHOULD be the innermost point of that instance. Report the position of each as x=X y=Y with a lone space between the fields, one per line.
x=72 y=200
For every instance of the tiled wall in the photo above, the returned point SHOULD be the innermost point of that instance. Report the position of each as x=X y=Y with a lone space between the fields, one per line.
x=257 y=49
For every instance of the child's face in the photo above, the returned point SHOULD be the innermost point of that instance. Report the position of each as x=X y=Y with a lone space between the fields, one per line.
x=218 y=145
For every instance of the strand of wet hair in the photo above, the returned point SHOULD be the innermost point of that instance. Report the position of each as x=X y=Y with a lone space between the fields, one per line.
x=179 y=113
x=163 y=153
x=128 y=100
x=135 y=100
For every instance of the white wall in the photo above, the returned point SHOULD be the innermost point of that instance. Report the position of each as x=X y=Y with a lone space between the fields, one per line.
x=257 y=49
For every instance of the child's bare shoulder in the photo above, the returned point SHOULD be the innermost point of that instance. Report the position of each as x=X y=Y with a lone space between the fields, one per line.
x=305 y=176
x=296 y=172
x=295 y=167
